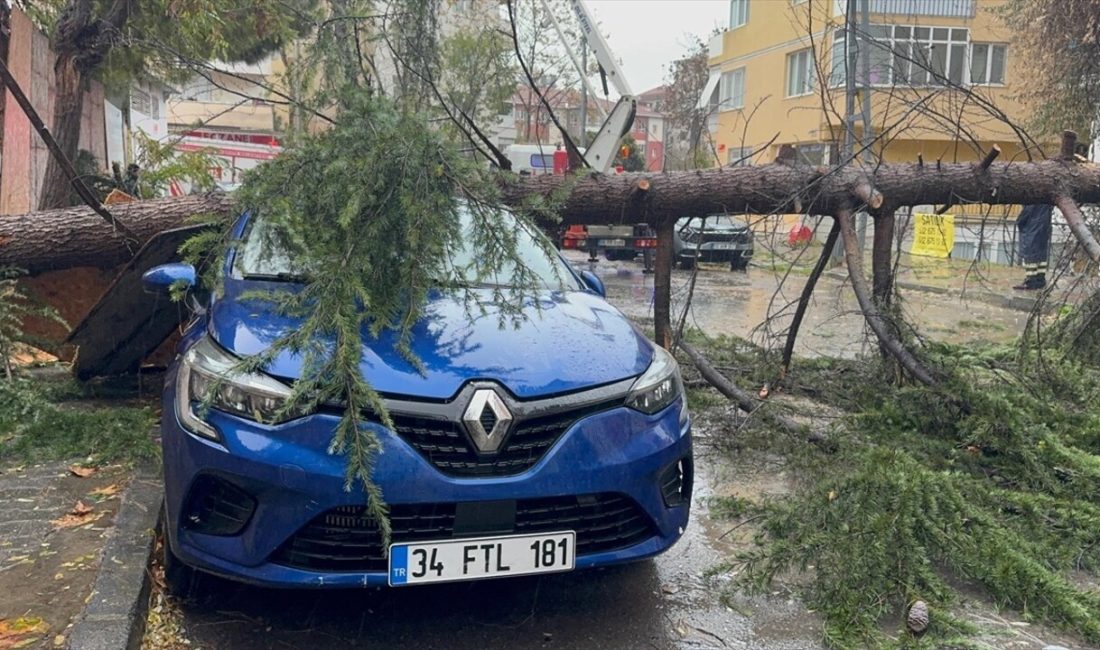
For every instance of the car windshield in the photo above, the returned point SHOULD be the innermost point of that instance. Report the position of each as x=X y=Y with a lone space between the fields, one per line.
x=260 y=257
x=718 y=222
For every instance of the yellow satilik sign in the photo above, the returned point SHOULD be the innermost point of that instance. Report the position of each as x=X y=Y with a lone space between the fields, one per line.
x=933 y=235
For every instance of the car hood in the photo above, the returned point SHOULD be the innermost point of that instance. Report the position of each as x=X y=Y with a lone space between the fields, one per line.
x=570 y=340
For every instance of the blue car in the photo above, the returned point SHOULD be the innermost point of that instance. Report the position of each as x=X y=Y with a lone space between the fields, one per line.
x=562 y=444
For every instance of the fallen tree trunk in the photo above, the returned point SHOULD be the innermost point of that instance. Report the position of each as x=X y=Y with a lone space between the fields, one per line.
x=61 y=239
x=77 y=237
x=785 y=189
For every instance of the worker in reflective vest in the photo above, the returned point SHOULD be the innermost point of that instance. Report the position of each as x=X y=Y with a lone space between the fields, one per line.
x=1034 y=227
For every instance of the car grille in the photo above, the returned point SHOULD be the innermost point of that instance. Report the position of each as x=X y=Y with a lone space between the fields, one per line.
x=346 y=539
x=739 y=237
x=447 y=447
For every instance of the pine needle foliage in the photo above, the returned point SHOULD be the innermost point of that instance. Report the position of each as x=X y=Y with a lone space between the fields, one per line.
x=994 y=481
x=15 y=307
x=371 y=214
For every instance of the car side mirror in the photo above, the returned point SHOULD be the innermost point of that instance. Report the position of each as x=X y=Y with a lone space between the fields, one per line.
x=593 y=282
x=161 y=279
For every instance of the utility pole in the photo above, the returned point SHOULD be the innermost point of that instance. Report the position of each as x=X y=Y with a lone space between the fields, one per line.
x=582 y=138
x=866 y=137
x=856 y=85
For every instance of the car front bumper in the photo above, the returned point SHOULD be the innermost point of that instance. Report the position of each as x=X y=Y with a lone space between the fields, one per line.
x=712 y=252
x=292 y=481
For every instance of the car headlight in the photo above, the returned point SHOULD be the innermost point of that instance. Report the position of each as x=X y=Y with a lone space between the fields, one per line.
x=658 y=386
x=208 y=368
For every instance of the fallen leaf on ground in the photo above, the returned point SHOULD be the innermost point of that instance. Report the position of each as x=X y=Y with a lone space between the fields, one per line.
x=21 y=632
x=104 y=492
x=81 y=471
x=80 y=514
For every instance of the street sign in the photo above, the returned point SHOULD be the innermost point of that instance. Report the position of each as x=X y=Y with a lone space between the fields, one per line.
x=933 y=235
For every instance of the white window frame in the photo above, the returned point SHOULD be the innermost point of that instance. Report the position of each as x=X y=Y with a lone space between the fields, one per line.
x=988 y=79
x=901 y=46
x=742 y=154
x=142 y=101
x=739 y=13
x=731 y=93
x=803 y=59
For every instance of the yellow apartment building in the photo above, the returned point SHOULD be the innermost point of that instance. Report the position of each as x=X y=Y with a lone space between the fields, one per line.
x=942 y=79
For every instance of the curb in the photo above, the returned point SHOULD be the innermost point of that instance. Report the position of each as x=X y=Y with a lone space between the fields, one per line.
x=1014 y=302
x=112 y=617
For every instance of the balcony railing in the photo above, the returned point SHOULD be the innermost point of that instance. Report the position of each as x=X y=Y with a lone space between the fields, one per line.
x=936 y=8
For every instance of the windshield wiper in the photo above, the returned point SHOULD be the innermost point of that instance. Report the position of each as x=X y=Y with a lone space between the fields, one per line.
x=281 y=276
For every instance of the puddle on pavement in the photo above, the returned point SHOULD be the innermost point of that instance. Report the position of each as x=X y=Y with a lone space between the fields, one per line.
x=725 y=302
x=699 y=616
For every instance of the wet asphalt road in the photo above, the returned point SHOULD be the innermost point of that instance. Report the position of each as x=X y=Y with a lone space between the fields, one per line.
x=664 y=603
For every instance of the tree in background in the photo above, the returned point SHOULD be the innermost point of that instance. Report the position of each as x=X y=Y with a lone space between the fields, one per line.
x=127 y=39
x=1060 y=55
x=552 y=71
x=478 y=72
x=687 y=124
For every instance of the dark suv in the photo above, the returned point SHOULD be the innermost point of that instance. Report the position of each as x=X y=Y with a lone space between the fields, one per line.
x=713 y=239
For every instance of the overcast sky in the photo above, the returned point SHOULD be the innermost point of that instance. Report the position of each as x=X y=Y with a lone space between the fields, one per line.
x=646 y=35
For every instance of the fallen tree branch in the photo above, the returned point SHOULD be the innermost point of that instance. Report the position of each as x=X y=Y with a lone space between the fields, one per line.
x=874 y=317
x=1076 y=222
x=746 y=402
x=807 y=293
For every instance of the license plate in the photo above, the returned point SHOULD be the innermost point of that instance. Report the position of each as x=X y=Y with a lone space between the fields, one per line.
x=723 y=246
x=612 y=242
x=483 y=557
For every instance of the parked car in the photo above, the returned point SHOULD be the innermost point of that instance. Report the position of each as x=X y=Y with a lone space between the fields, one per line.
x=562 y=444
x=618 y=243
x=713 y=239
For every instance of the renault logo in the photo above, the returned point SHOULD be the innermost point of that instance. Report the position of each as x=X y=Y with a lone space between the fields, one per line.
x=487 y=420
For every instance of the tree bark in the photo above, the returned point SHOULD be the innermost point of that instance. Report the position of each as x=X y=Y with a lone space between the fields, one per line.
x=882 y=276
x=82 y=41
x=881 y=326
x=615 y=199
x=662 y=286
x=770 y=189
x=60 y=239
x=69 y=109
x=804 y=298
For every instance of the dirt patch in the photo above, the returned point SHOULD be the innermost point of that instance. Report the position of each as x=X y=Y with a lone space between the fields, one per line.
x=52 y=532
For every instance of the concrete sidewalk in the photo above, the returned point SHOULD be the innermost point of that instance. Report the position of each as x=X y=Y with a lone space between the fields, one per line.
x=59 y=537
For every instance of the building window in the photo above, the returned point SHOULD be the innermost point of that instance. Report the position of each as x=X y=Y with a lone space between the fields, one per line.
x=905 y=55
x=140 y=101
x=732 y=90
x=938 y=8
x=800 y=73
x=814 y=154
x=987 y=63
x=739 y=13
x=739 y=157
